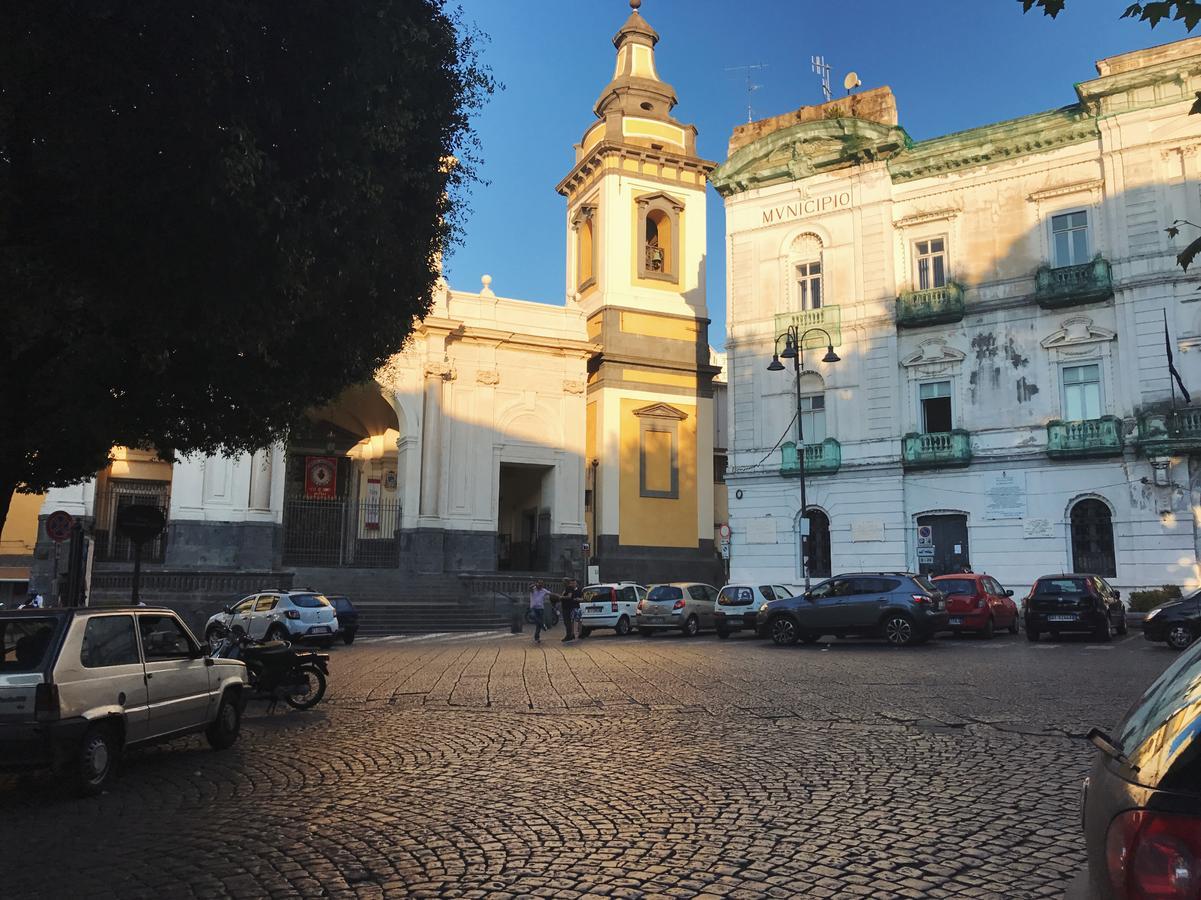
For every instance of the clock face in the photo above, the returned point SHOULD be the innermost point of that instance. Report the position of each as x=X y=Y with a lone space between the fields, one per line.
x=321 y=473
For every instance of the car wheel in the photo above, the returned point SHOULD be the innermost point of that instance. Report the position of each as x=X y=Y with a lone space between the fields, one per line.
x=1013 y=626
x=1179 y=636
x=1032 y=634
x=623 y=626
x=306 y=688
x=899 y=630
x=223 y=732
x=96 y=759
x=784 y=632
x=277 y=633
x=692 y=626
x=810 y=637
x=348 y=637
x=722 y=632
x=646 y=632
x=214 y=636
x=1104 y=632
x=989 y=629
x=1122 y=628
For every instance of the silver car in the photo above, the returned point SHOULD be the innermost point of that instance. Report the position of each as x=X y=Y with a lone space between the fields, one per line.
x=685 y=606
x=78 y=686
x=278 y=615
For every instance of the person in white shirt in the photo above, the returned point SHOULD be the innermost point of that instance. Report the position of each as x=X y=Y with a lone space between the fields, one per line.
x=539 y=596
x=35 y=601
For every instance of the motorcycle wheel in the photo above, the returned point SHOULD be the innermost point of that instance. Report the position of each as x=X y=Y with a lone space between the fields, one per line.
x=308 y=688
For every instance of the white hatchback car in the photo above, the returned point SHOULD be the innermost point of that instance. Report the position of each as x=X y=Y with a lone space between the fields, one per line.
x=296 y=615
x=613 y=605
x=738 y=604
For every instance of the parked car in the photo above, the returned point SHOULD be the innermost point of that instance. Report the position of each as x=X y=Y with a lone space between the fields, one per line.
x=348 y=616
x=79 y=686
x=1074 y=603
x=1142 y=798
x=613 y=605
x=294 y=615
x=901 y=607
x=686 y=606
x=1177 y=623
x=978 y=603
x=738 y=605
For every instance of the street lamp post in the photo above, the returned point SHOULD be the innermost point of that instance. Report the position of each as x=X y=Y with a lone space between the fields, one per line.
x=793 y=350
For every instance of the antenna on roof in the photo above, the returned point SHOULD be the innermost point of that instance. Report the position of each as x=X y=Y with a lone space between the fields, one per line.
x=751 y=87
x=820 y=67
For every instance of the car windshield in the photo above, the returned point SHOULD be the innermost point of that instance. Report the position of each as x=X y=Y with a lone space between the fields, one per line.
x=924 y=582
x=592 y=595
x=308 y=601
x=665 y=592
x=956 y=585
x=25 y=642
x=735 y=594
x=1060 y=586
x=1161 y=730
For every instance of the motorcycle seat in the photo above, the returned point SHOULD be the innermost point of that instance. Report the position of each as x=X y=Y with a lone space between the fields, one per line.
x=270 y=648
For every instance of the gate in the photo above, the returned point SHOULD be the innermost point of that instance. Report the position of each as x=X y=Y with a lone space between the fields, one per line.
x=950 y=545
x=341 y=533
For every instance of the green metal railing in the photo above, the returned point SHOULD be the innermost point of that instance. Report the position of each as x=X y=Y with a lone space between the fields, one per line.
x=1065 y=286
x=820 y=459
x=930 y=307
x=937 y=449
x=828 y=317
x=1084 y=437
x=1174 y=431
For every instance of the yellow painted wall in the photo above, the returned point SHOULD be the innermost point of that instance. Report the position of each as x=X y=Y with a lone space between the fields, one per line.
x=21 y=526
x=590 y=437
x=669 y=379
x=653 y=521
x=650 y=325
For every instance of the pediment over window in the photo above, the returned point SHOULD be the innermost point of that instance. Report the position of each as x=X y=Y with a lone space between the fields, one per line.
x=660 y=411
x=933 y=352
x=659 y=197
x=1077 y=331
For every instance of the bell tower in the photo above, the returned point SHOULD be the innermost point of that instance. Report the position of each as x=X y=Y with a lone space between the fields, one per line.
x=636 y=265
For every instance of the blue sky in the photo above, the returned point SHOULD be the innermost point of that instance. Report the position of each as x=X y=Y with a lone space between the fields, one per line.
x=953 y=64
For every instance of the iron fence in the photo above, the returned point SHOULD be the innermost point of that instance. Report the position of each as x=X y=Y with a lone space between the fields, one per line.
x=341 y=533
x=110 y=544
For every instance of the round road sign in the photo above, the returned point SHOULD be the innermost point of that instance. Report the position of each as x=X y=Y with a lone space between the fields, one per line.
x=724 y=530
x=58 y=526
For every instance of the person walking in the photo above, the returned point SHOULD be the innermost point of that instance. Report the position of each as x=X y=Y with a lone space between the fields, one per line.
x=569 y=606
x=539 y=595
x=35 y=601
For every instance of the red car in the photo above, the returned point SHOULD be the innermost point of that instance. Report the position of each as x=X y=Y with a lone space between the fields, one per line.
x=978 y=603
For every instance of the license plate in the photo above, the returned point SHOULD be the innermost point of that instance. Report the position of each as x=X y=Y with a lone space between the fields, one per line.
x=321 y=629
x=1061 y=618
x=956 y=620
x=593 y=609
x=656 y=618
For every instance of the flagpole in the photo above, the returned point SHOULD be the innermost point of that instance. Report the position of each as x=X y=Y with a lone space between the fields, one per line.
x=1168 y=347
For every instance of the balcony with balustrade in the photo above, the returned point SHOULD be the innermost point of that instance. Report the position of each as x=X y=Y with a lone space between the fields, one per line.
x=1169 y=433
x=1084 y=438
x=1064 y=286
x=820 y=459
x=934 y=306
x=825 y=318
x=937 y=449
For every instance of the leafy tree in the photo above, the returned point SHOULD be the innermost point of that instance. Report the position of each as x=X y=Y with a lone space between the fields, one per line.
x=1186 y=11
x=214 y=214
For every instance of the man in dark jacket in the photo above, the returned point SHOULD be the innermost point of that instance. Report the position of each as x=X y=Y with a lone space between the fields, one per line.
x=569 y=608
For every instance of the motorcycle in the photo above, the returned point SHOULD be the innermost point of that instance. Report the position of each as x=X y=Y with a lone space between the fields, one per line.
x=276 y=670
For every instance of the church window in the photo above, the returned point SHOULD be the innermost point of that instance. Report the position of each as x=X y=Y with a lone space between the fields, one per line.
x=585 y=247
x=659 y=451
x=659 y=217
x=931 y=257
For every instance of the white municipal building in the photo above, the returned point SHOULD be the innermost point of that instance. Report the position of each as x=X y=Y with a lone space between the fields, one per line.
x=997 y=299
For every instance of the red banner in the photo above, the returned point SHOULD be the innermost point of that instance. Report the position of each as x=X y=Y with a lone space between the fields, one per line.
x=320 y=477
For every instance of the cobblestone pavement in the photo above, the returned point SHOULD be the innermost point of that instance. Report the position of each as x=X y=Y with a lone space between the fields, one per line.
x=482 y=765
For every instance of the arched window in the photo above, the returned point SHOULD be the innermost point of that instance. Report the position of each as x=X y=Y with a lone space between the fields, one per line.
x=585 y=247
x=1092 y=539
x=659 y=215
x=805 y=263
x=817 y=547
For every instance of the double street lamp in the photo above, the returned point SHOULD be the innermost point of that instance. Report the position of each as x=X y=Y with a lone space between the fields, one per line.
x=793 y=340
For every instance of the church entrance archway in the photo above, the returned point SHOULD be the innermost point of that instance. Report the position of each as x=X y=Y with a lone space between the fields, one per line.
x=523 y=524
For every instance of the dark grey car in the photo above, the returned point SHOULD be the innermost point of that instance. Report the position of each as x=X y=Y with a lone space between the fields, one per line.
x=1142 y=799
x=901 y=607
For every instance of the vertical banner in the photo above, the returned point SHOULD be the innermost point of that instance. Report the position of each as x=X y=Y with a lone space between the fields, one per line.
x=371 y=511
x=320 y=477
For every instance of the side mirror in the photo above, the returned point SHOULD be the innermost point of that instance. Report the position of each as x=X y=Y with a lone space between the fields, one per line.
x=228 y=610
x=1009 y=593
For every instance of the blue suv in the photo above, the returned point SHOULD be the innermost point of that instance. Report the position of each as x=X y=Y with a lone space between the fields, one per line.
x=901 y=607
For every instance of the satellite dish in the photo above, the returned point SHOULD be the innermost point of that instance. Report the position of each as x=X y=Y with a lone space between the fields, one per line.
x=851 y=82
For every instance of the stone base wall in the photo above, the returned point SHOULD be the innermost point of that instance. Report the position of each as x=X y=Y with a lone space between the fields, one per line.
x=235 y=545
x=432 y=551
x=655 y=565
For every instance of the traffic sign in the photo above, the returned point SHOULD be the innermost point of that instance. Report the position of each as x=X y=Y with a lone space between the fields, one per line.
x=724 y=531
x=925 y=536
x=586 y=547
x=58 y=526
x=725 y=549
x=925 y=553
